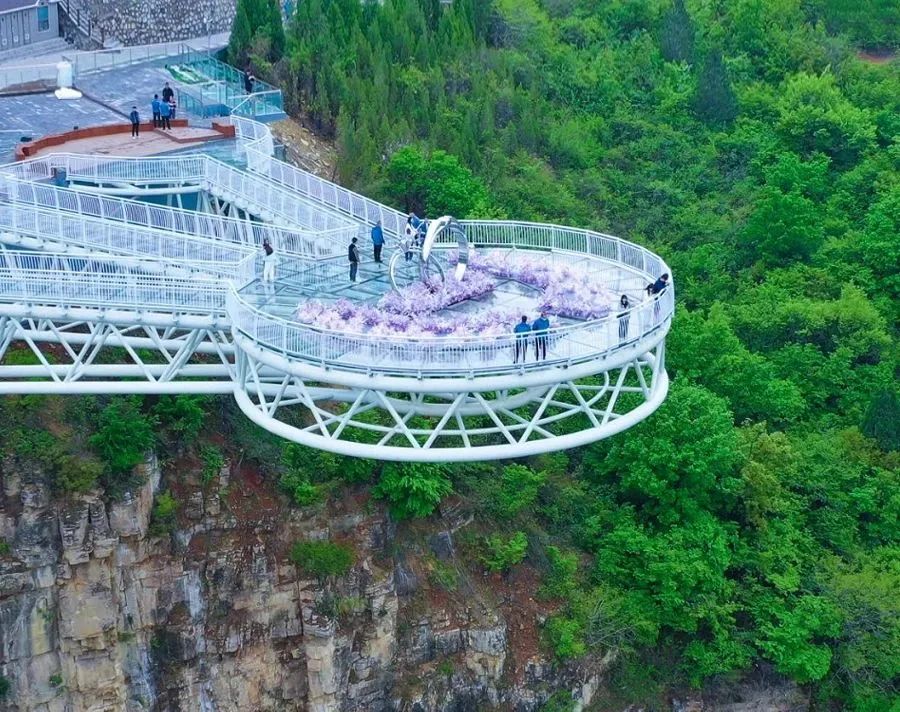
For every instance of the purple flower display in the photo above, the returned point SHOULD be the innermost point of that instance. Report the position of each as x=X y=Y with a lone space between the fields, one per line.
x=568 y=290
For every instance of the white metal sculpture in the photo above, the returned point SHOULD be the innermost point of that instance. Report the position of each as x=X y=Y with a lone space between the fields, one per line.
x=87 y=273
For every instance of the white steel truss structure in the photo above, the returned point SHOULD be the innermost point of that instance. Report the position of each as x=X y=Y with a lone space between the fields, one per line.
x=102 y=293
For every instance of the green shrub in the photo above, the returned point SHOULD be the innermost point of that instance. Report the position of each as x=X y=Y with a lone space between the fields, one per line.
x=559 y=580
x=5 y=685
x=298 y=487
x=518 y=489
x=162 y=518
x=182 y=416
x=322 y=558
x=213 y=462
x=76 y=473
x=5 y=548
x=124 y=435
x=31 y=443
x=501 y=554
x=321 y=466
x=565 y=636
x=413 y=489
x=443 y=576
x=560 y=701
x=55 y=680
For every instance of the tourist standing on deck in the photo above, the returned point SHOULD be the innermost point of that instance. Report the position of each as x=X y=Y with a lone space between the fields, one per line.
x=624 y=316
x=164 y=116
x=269 y=262
x=521 y=331
x=172 y=107
x=248 y=81
x=167 y=93
x=154 y=105
x=353 y=257
x=377 y=241
x=539 y=328
x=135 y=122
x=409 y=234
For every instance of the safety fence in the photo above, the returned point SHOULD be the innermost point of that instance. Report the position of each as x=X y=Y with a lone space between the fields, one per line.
x=105 y=282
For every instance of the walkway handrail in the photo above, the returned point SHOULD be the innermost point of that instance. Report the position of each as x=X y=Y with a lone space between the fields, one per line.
x=255 y=139
x=121 y=237
x=254 y=188
x=515 y=234
x=26 y=189
x=105 y=282
x=442 y=356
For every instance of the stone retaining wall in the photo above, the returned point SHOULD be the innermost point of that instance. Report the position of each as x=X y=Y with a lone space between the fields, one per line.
x=134 y=22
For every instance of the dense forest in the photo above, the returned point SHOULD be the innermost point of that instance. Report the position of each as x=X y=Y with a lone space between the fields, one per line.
x=754 y=519
x=752 y=522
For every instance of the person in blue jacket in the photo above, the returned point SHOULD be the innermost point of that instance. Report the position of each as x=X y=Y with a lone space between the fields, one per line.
x=154 y=105
x=135 y=122
x=377 y=241
x=540 y=326
x=164 y=116
x=521 y=331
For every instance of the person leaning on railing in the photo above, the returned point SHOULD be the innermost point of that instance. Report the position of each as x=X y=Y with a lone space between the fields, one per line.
x=654 y=290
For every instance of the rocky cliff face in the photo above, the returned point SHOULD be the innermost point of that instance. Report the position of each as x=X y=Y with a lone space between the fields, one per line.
x=98 y=615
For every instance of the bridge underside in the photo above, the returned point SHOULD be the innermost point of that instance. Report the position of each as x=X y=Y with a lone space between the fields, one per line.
x=54 y=350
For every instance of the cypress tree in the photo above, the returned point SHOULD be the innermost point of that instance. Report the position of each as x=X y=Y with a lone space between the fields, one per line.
x=714 y=102
x=241 y=36
x=677 y=37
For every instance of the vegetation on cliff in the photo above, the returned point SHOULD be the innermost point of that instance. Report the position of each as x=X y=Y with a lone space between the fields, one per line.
x=754 y=519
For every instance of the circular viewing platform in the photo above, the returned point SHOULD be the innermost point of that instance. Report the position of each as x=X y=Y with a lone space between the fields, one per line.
x=314 y=319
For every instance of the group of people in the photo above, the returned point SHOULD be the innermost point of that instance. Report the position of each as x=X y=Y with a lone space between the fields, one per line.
x=163 y=111
x=523 y=331
x=377 y=247
x=538 y=329
x=625 y=305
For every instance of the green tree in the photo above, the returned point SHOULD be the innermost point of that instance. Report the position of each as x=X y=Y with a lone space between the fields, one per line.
x=124 y=434
x=681 y=462
x=241 y=36
x=813 y=116
x=502 y=553
x=413 y=490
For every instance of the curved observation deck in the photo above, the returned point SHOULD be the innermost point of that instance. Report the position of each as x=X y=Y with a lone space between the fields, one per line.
x=96 y=263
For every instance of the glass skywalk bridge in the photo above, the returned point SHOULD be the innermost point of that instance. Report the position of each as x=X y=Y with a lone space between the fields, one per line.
x=87 y=270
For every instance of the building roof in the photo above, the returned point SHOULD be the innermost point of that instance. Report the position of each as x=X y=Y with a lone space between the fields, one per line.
x=10 y=5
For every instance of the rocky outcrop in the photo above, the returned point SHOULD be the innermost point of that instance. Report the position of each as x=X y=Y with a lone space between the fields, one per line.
x=97 y=615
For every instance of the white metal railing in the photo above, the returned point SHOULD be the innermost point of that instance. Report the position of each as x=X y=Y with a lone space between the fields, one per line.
x=444 y=356
x=307 y=230
x=511 y=234
x=450 y=356
x=26 y=191
x=105 y=282
x=276 y=199
x=256 y=140
x=120 y=237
